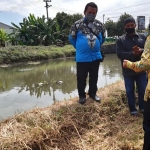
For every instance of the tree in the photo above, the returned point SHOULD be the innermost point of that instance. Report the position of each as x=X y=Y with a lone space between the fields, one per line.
x=65 y=21
x=120 y=24
x=36 y=31
x=110 y=27
x=76 y=17
x=49 y=32
x=27 y=31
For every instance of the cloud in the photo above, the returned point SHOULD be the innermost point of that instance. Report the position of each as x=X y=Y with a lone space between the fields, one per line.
x=112 y=9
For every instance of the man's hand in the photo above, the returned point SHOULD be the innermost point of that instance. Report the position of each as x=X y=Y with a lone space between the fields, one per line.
x=125 y=63
x=137 y=50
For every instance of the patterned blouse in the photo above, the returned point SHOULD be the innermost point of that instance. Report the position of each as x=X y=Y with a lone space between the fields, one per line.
x=143 y=64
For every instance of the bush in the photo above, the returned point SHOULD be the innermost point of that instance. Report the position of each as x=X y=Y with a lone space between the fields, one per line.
x=110 y=39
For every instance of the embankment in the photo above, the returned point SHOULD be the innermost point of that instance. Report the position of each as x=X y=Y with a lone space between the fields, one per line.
x=68 y=125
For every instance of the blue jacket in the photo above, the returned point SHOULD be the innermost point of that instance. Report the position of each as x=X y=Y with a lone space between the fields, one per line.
x=86 y=43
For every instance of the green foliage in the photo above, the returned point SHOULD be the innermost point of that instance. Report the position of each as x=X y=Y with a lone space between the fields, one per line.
x=120 y=23
x=39 y=31
x=110 y=39
x=116 y=28
x=65 y=21
x=109 y=42
x=34 y=53
x=69 y=52
x=3 y=37
x=36 y=31
x=111 y=27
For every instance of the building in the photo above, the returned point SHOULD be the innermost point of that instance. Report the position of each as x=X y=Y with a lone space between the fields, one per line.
x=8 y=29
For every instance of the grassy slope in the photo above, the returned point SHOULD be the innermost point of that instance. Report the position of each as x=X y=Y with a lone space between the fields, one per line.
x=68 y=125
x=15 y=54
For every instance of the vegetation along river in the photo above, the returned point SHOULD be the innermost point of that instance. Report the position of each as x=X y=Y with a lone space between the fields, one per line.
x=26 y=86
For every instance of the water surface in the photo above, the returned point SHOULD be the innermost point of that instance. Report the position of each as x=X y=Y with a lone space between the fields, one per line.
x=19 y=89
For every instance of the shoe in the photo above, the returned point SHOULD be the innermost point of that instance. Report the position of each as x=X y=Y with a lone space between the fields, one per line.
x=82 y=100
x=95 y=97
x=134 y=113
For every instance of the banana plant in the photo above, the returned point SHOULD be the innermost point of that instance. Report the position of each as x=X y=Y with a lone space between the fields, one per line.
x=25 y=31
x=3 y=37
x=49 y=32
x=37 y=31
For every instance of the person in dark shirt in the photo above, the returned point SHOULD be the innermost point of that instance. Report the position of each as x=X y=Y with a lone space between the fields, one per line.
x=130 y=46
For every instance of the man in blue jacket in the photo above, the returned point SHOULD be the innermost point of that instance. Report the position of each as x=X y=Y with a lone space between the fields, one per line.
x=87 y=36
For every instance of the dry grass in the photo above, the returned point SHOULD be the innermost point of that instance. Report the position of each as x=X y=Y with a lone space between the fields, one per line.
x=68 y=125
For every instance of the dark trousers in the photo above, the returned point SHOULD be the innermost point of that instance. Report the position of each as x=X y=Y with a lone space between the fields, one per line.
x=146 y=125
x=141 y=83
x=83 y=68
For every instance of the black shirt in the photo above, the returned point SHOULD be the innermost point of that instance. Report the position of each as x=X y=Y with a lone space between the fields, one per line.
x=124 y=50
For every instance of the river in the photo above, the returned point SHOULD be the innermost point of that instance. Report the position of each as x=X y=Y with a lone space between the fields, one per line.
x=26 y=86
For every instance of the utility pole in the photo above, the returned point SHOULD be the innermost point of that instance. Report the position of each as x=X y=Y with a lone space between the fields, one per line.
x=103 y=18
x=47 y=6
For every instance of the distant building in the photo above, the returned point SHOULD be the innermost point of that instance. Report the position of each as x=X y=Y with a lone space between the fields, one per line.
x=5 y=26
x=8 y=29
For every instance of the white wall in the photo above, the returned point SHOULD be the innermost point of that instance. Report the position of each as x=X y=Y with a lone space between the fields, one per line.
x=8 y=30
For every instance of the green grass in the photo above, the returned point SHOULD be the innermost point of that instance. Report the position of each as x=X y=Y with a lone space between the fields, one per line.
x=17 y=54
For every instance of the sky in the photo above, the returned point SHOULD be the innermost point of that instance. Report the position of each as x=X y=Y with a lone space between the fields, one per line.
x=15 y=10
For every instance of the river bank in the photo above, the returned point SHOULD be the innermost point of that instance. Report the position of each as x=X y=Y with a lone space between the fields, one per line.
x=69 y=125
x=23 y=54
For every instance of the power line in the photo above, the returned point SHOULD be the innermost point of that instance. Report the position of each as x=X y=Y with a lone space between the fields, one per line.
x=33 y=3
x=135 y=11
x=54 y=7
x=124 y=7
x=59 y=8
x=132 y=15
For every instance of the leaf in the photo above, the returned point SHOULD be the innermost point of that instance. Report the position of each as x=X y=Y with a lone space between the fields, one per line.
x=15 y=25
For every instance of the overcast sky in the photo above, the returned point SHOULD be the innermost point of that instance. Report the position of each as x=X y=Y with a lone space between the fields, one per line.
x=15 y=10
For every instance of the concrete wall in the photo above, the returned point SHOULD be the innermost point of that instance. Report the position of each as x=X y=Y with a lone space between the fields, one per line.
x=4 y=26
x=108 y=49
x=8 y=31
